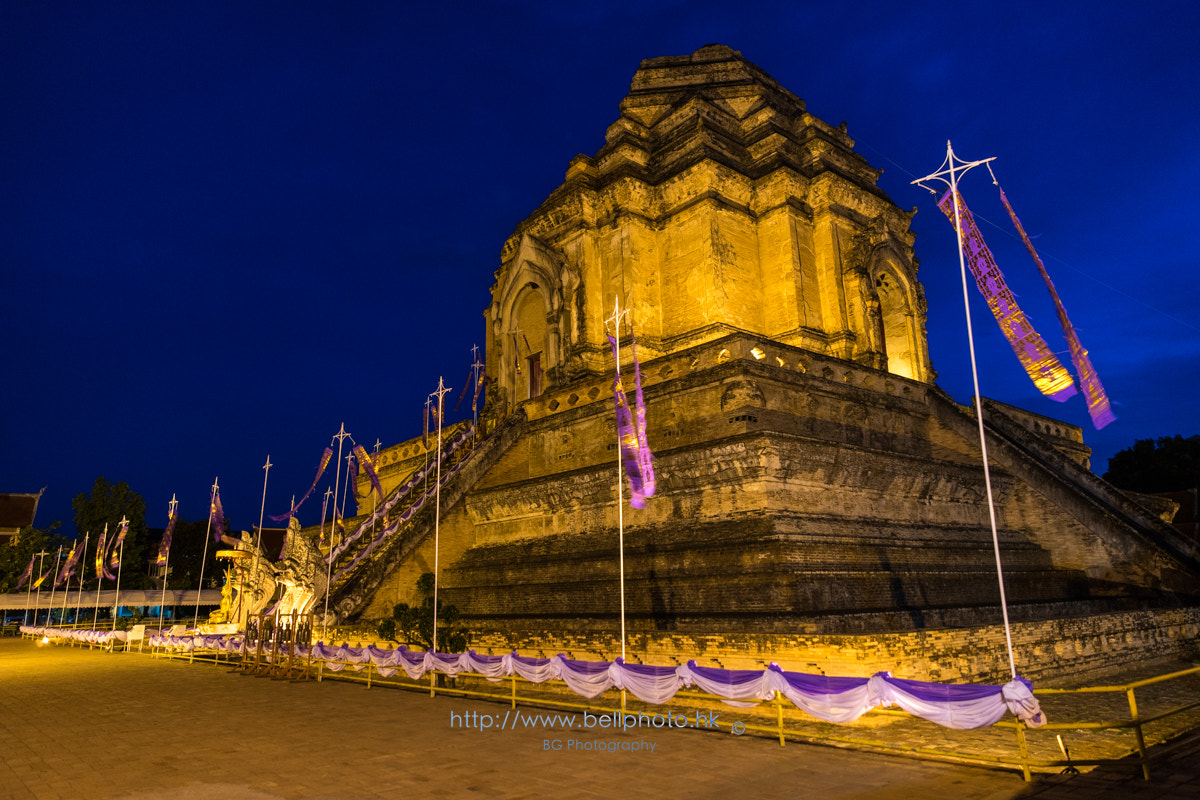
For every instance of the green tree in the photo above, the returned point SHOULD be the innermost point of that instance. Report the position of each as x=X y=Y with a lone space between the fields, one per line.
x=15 y=557
x=1170 y=464
x=107 y=504
x=414 y=624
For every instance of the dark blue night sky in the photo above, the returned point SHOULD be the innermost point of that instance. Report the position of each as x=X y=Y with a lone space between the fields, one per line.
x=229 y=227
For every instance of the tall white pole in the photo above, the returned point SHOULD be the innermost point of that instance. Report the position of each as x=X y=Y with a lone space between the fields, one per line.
x=261 y=513
x=476 y=368
x=954 y=170
x=120 y=564
x=212 y=499
x=375 y=495
x=79 y=597
x=38 y=597
x=616 y=320
x=346 y=487
x=99 y=577
x=62 y=617
x=325 y=513
x=174 y=504
x=341 y=437
x=54 y=586
x=437 y=504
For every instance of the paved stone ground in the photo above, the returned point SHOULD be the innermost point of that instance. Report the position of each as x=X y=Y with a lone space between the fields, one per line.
x=85 y=724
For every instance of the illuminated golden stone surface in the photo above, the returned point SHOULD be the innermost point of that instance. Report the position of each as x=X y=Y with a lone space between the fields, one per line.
x=812 y=478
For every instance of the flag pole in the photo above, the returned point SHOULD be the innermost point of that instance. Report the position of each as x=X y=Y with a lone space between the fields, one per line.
x=261 y=513
x=54 y=586
x=953 y=171
x=99 y=577
x=437 y=504
x=324 y=511
x=120 y=565
x=62 y=616
x=212 y=499
x=87 y=537
x=615 y=319
x=341 y=437
x=476 y=367
x=375 y=495
x=166 y=564
x=28 y=587
x=37 y=602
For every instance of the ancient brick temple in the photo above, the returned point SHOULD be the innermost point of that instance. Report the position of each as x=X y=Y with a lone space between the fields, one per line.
x=813 y=480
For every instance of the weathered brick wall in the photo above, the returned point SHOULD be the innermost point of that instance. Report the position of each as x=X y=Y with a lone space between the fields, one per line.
x=1046 y=651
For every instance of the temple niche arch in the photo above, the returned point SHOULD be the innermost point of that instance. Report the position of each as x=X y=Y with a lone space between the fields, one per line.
x=528 y=318
x=897 y=320
x=529 y=342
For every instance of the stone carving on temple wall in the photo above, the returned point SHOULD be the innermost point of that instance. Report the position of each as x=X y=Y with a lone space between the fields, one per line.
x=257 y=583
x=301 y=571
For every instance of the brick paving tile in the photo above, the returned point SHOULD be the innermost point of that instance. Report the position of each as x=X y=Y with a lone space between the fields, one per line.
x=87 y=724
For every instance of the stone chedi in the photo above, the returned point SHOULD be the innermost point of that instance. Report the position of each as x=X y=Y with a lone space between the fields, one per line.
x=812 y=477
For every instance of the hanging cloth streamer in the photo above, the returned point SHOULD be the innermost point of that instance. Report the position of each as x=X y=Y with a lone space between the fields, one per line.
x=216 y=515
x=1043 y=367
x=100 y=553
x=69 y=567
x=631 y=434
x=164 y=547
x=42 y=579
x=368 y=465
x=28 y=571
x=1097 y=400
x=114 y=560
x=328 y=454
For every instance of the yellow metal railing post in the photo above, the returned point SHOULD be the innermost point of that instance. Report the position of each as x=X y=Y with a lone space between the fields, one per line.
x=1137 y=728
x=514 y=690
x=779 y=714
x=432 y=679
x=1023 y=751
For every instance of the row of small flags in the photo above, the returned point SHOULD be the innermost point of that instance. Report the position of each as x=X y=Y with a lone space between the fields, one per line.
x=108 y=557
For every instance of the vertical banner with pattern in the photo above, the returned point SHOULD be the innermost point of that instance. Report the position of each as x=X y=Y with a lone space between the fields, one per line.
x=1093 y=390
x=69 y=567
x=42 y=579
x=1043 y=367
x=28 y=571
x=114 y=559
x=164 y=547
x=368 y=466
x=100 y=551
x=216 y=515
x=631 y=435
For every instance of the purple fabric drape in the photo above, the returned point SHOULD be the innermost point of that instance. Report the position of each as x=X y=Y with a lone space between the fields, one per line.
x=1043 y=367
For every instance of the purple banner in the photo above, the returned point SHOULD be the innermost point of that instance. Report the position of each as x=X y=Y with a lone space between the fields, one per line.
x=216 y=516
x=1093 y=390
x=328 y=454
x=1043 y=367
x=114 y=560
x=631 y=436
x=69 y=567
x=368 y=465
x=164 y=547
x=28 y=571
x=100 y=571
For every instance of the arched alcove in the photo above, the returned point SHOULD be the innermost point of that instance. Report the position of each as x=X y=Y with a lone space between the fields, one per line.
x=527 y=336
x=896 y=318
